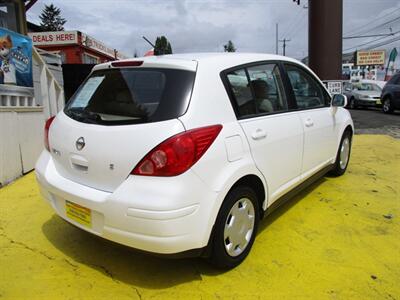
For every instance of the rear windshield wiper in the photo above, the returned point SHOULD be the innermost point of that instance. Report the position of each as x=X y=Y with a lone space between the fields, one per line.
x=84 y=115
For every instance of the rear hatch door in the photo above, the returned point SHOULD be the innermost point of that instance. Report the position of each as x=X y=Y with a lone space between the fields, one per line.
x=116 y=117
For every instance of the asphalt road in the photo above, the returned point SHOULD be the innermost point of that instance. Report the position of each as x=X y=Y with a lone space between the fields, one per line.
x=374 y=121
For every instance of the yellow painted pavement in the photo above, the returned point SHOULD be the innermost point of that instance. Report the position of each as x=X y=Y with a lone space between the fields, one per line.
x=339 y=239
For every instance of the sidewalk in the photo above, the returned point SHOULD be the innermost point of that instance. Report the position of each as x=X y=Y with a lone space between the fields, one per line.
x=339 y=239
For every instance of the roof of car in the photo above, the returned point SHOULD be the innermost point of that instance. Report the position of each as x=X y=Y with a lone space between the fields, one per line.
x=219 y=60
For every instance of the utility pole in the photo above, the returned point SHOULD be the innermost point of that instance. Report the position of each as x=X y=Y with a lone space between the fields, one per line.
x=284 y=41
x=325 y=37
x=276 y=40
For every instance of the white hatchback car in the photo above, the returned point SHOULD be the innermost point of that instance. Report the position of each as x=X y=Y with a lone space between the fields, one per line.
x=184 y=154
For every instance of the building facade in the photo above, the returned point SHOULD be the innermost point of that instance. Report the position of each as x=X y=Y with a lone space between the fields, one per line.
x=75 y=47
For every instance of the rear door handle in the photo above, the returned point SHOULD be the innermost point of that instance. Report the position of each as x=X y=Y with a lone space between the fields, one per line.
x=259 y=134
x=309 y=122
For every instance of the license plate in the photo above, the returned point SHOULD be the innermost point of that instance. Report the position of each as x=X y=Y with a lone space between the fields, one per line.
x=378 y=101
x=78 y=213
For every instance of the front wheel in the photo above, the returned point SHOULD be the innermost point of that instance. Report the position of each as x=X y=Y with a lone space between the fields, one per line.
x=235 y=228
x=343 y=155
x=387 y=107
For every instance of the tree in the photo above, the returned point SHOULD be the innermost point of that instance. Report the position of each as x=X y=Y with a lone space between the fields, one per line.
x=51 y=19
x=162 y=46
x=229 y=47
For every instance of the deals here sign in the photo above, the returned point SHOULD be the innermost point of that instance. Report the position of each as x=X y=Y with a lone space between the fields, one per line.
x=371 y=57
x=54 y=38
x=15 y=58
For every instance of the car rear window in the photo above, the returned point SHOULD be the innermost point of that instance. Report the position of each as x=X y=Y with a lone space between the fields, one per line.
x=131 y=96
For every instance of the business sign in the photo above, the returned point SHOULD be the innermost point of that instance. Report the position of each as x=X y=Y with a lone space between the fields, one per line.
x=15 y=58
x=334 y=87
x=54 y=38
x=98 y=46
x=372 y=57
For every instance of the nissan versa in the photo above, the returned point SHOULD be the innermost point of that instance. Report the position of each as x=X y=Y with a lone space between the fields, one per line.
x=184 y=154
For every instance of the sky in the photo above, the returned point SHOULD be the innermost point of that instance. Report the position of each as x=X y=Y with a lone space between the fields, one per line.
x=205 y=25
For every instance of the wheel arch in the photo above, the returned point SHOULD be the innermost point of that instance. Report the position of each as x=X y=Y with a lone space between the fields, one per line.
x=256 y=184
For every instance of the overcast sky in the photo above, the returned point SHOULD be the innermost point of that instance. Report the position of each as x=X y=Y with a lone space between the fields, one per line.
x=204 y=26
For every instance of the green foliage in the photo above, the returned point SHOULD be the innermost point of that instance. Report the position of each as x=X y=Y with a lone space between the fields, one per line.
x=162 y=46
x=229 y=47
x=51 y=19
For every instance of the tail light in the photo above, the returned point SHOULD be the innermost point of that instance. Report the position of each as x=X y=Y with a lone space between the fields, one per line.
x=46 y=133
x=178 y=153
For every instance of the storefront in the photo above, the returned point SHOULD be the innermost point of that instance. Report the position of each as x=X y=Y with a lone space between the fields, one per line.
x=75 y=47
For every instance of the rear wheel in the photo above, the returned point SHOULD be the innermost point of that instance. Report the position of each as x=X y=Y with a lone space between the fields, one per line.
x=235 y=228
x=387 y=106
x=343 y=155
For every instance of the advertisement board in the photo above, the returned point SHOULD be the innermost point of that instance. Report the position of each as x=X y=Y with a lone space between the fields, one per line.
x=15 y=58
x=54 y=38
x=370 y=57
x=96 y=45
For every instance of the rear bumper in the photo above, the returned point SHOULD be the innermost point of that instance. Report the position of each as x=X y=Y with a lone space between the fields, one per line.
x=164 y=215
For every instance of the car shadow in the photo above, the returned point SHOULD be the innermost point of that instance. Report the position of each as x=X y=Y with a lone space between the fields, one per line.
x=124 y=264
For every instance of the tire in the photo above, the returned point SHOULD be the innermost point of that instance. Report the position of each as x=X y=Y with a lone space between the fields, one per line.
x=352 y=104
x=226 y=252
x=342 y=162
x=387 y=106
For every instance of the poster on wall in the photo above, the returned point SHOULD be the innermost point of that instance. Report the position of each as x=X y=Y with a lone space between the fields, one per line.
x=15 y=58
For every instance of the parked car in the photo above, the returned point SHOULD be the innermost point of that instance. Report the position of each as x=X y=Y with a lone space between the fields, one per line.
x=391 y=95
x=184 y=154
x=366 y=93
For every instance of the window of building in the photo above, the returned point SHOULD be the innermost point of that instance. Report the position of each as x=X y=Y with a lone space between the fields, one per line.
x=90 y=59
x=9 y=16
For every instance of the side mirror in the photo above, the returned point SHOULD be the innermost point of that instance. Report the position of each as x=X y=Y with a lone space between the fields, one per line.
x=339 y=100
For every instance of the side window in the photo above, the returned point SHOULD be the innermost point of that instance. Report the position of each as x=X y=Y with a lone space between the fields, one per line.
x=307 y=91
x=268 y=89
x=242 y=92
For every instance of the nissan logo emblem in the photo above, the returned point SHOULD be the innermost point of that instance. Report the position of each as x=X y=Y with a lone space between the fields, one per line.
x=80 y=143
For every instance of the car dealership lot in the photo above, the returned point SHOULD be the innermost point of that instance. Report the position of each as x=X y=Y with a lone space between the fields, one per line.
x=336 y=240
x=374 y=121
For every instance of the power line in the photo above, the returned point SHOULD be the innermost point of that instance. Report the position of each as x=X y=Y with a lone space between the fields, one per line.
x=367 y=43
x=383 y=43
x=296 y=19
x=366 y=36
x=384 y=24
x=378 y=18
x=298 y=27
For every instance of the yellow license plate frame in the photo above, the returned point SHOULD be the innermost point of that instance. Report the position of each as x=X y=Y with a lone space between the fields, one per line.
x=78 y=213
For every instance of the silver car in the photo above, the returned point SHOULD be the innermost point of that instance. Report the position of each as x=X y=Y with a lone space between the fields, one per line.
x=366 y=94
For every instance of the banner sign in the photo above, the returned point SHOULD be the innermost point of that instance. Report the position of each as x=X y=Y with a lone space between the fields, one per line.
x=15 y=58
x=96 y=45
x=54 y=38
x=372 y=57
